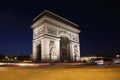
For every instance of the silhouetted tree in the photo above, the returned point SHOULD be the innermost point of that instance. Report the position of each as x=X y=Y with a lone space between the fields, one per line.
x=2 y=57
x=21 y=57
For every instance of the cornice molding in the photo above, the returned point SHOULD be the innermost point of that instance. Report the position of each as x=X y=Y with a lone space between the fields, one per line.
x=49 y=20
x=55 y=16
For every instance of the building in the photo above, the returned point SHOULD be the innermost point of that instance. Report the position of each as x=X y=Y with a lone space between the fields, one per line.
x=55 y=39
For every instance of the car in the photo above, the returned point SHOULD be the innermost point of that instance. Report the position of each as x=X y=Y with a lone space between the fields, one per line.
x=103 y=61
x=99 y=62
x=116 y=61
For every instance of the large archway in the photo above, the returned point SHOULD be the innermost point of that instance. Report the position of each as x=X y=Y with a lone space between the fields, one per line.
x=64 y=49
x=56 y=30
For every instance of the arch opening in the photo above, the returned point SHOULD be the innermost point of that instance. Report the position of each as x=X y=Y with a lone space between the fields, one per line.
x=64 y=49
x=39 y=53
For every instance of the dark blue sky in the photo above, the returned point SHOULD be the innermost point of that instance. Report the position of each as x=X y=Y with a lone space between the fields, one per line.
x=98 y=20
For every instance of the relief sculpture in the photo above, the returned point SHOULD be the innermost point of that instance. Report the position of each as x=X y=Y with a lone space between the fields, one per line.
x=52 y=48
x=52 y=31
x=76 y=50
x=75 y=38
x=38 y=33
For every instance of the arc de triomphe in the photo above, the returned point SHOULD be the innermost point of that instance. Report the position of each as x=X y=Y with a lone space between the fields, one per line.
x=55 y=39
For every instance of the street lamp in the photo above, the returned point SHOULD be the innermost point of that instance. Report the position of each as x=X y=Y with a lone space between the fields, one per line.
x=15 y=58
x=50 y=56
x=6 y=57
x=117 y=56
x=75 y=57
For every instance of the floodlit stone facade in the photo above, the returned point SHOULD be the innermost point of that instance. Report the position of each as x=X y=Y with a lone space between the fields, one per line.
x=55 y=39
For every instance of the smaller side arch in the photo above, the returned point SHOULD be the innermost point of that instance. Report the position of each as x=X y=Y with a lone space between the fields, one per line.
x=38 y=52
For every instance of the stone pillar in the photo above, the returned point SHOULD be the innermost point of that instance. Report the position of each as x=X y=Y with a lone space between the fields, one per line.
x=75 y=51
x=50 y=50
x=71 y=51
x=34 y=55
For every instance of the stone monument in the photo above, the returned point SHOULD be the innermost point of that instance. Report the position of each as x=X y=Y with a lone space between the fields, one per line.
x=55 y=39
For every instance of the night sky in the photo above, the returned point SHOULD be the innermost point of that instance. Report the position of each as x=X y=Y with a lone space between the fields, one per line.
x=98 y=20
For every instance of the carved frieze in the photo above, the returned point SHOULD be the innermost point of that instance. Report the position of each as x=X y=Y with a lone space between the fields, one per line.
x=52 y=31
x=62 y=31
x=38 y=32
x=65 y=33
x=75 y=38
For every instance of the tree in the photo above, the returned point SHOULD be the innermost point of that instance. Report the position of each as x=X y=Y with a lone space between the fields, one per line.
x=2 y=57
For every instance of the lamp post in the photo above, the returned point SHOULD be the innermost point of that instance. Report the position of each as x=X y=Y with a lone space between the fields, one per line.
x=50 y=57
x=15 y=58
x=75 y=57
x=6 y=57
x=117 y=55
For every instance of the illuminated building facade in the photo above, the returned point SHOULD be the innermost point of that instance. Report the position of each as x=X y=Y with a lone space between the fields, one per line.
x=55 y=39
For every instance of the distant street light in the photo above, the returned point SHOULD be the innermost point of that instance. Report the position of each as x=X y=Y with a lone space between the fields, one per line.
x=117 y=56
x=6 y=57
x=15 y=58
